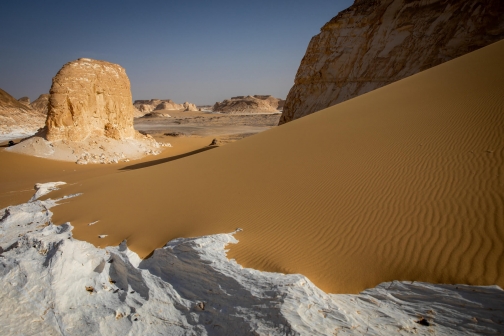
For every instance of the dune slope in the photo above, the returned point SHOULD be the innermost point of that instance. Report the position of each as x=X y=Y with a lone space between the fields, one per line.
x=405 y=183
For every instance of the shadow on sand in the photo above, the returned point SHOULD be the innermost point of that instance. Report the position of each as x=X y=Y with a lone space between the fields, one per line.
x=168 y=159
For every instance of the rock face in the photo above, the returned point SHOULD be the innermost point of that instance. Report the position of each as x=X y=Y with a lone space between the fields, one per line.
x=90 y=117
x=374 y=43
x=17 y=119
x=90 y=97
x=146 y=106
x=41 y=103
x=190 y=107
x=24 y=100
x=248 y=104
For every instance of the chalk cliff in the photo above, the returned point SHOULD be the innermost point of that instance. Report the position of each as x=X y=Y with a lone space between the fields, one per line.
x=375 y=43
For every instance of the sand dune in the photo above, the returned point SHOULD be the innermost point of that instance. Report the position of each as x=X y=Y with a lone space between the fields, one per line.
x=403 y=183
x=19 y=173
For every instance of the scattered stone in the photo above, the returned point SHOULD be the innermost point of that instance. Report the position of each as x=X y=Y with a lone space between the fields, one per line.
x=174 y=134
x=215 y=142
x=423 y=322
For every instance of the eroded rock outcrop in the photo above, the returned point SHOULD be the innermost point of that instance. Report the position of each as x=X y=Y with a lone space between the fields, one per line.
x=248 y=104
x=146 y=106
x=90 y=97
x=17 y=119
x=90 y=117
x=41 y=103
x=374 y=43
x=25 y=101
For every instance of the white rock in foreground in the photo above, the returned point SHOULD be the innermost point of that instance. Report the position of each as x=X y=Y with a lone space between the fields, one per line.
x=53 y=284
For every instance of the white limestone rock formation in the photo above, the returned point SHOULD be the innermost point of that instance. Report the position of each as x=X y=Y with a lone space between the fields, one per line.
x=248 y=104
x=374 y=43
x=90 y=117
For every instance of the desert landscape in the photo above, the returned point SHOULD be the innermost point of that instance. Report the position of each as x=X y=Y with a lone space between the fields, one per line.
x=369 y=202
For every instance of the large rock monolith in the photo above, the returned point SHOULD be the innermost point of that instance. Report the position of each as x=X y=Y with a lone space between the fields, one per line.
x=90 y=97
x=90 y=117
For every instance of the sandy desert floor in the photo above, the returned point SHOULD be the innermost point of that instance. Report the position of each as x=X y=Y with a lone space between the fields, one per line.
x=224 y=127
x=403 y=183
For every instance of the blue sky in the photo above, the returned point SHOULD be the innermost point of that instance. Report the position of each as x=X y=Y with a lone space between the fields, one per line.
x=197 y=51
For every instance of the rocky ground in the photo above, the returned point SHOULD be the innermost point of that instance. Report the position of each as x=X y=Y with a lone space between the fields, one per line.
x=225 y=127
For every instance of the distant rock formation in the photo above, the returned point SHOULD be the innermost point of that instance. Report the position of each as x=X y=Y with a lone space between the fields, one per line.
x=90 y=117
x=146 y=106
x=168 y=105
x=25 y=101
x=189 y=106
x=248 y=104
x=17 y=119
x=374 y=43
x=41 y=103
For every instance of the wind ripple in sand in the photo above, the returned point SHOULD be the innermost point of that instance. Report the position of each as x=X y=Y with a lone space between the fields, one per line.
x=62 y=286
x=402 y=183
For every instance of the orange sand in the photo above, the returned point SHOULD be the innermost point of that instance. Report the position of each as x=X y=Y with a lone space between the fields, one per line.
x=403 y=183
x=19 y=173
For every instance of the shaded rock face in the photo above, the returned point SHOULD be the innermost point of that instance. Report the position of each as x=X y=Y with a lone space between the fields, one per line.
x=17 y=118
x=24 y=100
x=248 y=104
x=374 y=43
x=41 y=103
x=90 y=97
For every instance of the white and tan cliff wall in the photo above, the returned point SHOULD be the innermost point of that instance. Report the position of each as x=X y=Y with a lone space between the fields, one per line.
x=90 y=97
x=375 y=43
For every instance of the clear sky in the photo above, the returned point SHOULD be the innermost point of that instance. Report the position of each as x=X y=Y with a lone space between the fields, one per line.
x=188 y=50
